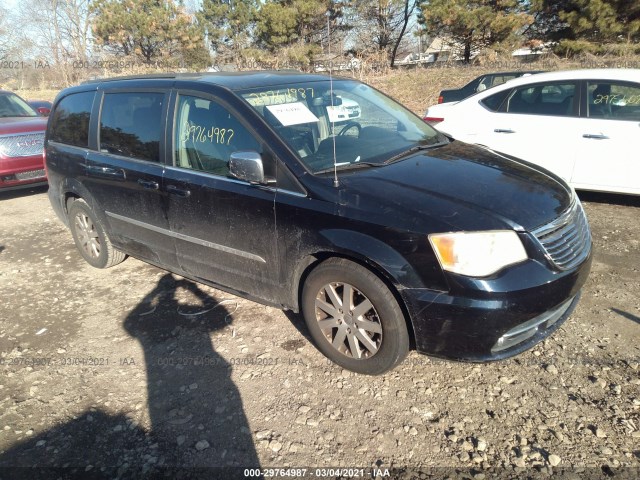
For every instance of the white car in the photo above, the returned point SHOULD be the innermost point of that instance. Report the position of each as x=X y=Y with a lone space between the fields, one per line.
x=347 y=110
x=583 y=125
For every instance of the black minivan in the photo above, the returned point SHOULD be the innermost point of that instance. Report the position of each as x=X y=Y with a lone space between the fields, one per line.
x=383 y=232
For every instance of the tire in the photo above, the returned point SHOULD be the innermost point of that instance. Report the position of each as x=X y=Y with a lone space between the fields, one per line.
x=381 y=340
x=91 y=238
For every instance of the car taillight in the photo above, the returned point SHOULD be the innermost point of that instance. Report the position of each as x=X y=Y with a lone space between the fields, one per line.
x=44 y=161
x=440 y=99
x=433 y=120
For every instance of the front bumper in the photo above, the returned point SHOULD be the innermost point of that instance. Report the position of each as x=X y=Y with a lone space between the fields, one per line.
x=21 y=172
x=486 y=321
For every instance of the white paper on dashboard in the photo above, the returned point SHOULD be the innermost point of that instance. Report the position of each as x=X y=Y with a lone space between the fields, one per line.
x=292 y=113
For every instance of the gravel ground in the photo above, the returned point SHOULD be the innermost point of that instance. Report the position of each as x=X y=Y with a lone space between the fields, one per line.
x=131 y=370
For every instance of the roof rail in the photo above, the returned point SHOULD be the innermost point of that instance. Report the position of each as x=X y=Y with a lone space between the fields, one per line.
x=159 y=76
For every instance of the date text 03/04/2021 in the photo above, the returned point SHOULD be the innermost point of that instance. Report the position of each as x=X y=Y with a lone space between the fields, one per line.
x=343 y=472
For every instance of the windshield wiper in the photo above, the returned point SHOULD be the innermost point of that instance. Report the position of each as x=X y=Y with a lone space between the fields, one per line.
x=349 y=166
x=415 y=149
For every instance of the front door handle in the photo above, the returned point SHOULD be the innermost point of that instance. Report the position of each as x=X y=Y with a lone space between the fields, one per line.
x=595 y=136
x=504 y=130
x=148 y=184
x=179 y=192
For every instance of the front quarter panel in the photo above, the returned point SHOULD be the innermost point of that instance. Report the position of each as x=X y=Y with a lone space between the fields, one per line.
x=308 y=230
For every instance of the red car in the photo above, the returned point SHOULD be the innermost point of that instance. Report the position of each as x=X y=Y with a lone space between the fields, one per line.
x=21 y=143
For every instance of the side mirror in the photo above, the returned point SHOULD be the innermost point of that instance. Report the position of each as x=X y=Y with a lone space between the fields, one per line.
x=44 y=111
x=247 y=166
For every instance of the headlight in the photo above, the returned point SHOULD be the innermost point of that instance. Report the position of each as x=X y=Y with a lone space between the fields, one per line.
x=478 y=254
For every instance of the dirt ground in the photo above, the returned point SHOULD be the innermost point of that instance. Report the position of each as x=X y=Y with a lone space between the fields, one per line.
x=131 y=370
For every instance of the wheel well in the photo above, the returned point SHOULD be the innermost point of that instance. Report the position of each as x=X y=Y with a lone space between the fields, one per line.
x=318 y=258
x=69 y=198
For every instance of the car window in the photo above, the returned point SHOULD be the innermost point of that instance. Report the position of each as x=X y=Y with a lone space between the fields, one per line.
x=613 y=100
x=206 y=134
x=495 y=101
x=70 y=120
x=485 y=83
x=11 y=105
x=348 y=119
x=491 y=81
x=131 y=125
x=500 y=79
x=543 y=99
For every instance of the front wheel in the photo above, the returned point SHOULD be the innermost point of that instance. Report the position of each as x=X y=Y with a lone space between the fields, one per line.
x=354 y=318
x=90 y=237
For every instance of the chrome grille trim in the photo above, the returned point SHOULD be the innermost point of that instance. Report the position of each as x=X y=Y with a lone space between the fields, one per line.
x=22 y=145
x=567 y=240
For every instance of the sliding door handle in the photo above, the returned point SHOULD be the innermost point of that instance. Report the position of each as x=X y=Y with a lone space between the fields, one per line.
x=105 y=172
x=593 y=136
x=148 y=184
x=504 y=130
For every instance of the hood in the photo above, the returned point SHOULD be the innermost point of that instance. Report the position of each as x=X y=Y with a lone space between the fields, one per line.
x=455 y=187
x=14 y=125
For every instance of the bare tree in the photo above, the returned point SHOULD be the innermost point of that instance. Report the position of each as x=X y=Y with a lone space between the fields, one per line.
x=380 y=25
x=7 y=44
x=409 y=7
x=60 y=34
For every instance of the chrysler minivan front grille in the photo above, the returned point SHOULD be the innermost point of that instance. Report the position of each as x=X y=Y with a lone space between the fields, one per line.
x=566 y=240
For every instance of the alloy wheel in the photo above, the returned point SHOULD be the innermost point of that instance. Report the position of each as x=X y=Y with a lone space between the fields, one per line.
x=87 y=235
x=348 y=320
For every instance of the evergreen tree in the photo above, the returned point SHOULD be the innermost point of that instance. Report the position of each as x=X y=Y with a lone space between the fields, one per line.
x=229 y=26
x=147 y=29
x=590 y=20
x=299 y=26
x=474 y=24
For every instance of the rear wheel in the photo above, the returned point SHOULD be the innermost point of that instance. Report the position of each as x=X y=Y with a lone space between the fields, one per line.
x=354 y=318
x=90 y=237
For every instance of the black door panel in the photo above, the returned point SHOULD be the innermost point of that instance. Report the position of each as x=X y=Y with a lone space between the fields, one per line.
x=224 y=231
x=125 y=174
x=135 y=212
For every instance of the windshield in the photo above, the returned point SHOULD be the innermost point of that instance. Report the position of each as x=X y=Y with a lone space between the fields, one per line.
x=364 y=126
x=12 y=105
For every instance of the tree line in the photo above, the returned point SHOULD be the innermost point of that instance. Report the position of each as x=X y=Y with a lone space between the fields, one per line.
x=243 y=33
x=567 y=26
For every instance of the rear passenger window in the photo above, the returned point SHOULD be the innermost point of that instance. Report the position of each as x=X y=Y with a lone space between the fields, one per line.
x=70 y=120
x=206 y=135
x=612 y=100
x=494 y=102
x=543 y=99
x=131 y=125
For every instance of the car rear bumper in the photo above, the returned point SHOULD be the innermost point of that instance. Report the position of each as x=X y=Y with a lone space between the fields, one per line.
x=481 y=326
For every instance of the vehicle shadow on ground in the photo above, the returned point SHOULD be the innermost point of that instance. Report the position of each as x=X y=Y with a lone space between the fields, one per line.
x=23 y=192
x=198 y=426
x=297 y=320
x=626 y=315
x=610 y=198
